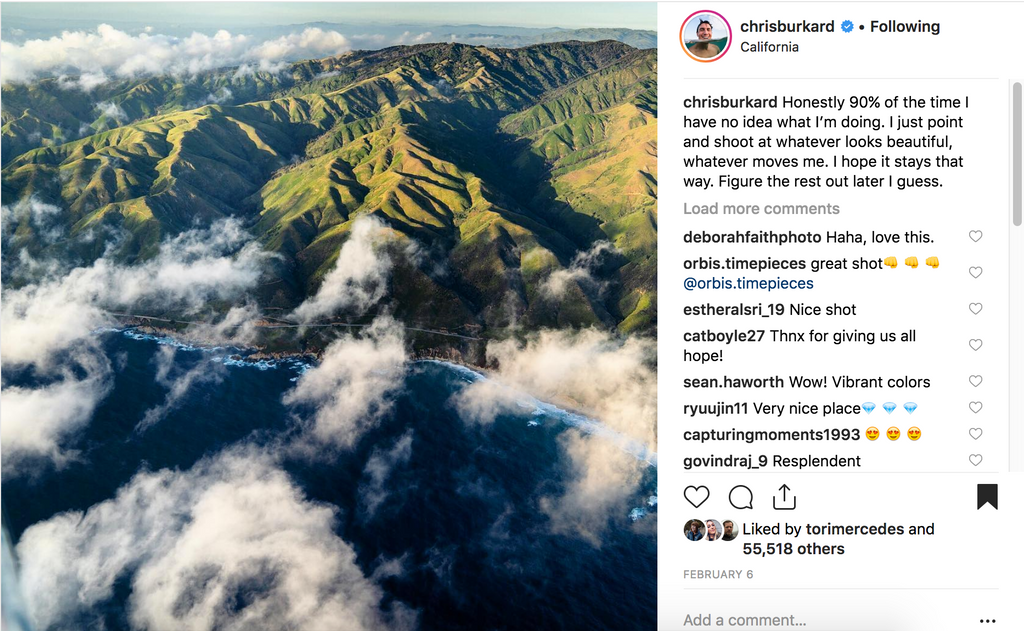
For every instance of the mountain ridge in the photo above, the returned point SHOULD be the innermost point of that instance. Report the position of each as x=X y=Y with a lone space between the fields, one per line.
x=505 y=165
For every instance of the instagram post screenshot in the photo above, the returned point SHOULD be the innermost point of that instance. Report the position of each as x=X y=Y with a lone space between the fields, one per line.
x=359 y=316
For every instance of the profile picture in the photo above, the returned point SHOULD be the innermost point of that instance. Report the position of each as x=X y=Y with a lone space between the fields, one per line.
x=713 y=529
x=705 y=36
x=729 y=530
x=695 y=529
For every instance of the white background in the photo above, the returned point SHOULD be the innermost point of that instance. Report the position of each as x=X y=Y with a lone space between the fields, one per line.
x=968 y=570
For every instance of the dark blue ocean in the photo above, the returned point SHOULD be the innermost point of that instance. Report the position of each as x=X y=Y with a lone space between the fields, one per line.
x=536 y=579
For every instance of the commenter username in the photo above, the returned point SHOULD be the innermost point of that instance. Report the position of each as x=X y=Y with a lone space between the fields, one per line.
x=747 y=461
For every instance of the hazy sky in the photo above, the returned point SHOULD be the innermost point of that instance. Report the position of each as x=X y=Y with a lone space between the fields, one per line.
x=233 y=15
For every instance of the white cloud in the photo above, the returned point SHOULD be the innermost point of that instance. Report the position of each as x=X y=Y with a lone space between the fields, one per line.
x=611 y=379
x=352 y=387
x=231 y=544
x=605 y=378
x=444 y=87
x=602 y=479
x=36 y=422
x=580 y=271
x=373 y=491
x=413 y=38
x=112 y=110
x=387 y=568
x=49 y=325
x=31 y=267
x=44 y=218
x=484 y=400
x=222 y=95
x=86 y=81
x=408 y=37
x=15 y=613
x=177 y=384
x=190 y=270
x=108 y=51
x=312 y=42
x=360 y=275
x=236 y=328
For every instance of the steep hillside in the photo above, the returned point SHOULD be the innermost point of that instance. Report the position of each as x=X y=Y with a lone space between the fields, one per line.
x=593 y=147
x=505 y=167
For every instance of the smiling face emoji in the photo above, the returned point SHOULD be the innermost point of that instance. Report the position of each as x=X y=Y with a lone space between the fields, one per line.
x=893 y=433
x=914 y=433
x=872 y=433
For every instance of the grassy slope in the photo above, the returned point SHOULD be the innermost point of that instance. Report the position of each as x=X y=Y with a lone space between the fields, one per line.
x=593 y=145
x=409 y=134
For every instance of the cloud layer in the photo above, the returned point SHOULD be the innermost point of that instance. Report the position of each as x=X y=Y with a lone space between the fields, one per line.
x=360 y=275
x=38 y=421
x=49 y=327
x=42 y=217
x=219 y=263
x=111 y=53
x=352 y=387
x=606 y=378
x=580 y=271
x=373 y=490
x=231 y=544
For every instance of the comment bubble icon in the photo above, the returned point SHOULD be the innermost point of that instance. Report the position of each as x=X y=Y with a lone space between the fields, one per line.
x=741 y=497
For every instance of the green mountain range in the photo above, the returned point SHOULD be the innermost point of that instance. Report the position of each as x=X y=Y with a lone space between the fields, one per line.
x=506 y=166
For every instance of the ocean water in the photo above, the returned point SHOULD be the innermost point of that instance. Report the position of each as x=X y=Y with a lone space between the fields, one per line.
x=440 y=507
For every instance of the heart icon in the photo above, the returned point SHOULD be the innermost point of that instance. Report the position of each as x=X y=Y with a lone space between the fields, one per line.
x=975 y=459
x=975 y=380
x=976 y=308
x=696 y=495
x=975 y=406
x=976 y=271
x=976 y=235
x=975 y=344
x=975 y=433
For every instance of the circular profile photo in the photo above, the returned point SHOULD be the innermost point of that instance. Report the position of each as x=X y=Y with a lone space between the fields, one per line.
x=705 y=36
x=695 y=530
x=729 y=530
x=713 y=529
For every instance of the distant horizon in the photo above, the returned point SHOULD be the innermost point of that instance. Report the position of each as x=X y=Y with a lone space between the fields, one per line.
x=101 y=40
x=244 y=15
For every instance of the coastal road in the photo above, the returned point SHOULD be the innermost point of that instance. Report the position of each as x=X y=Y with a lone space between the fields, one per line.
x=293 y=326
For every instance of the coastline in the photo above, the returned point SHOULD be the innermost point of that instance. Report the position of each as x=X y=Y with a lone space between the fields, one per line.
x=565 y=408
x=274 y=351
x=257 y=356
x=299 y=349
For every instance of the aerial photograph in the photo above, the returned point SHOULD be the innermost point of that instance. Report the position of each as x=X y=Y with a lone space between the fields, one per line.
x=328 y=316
